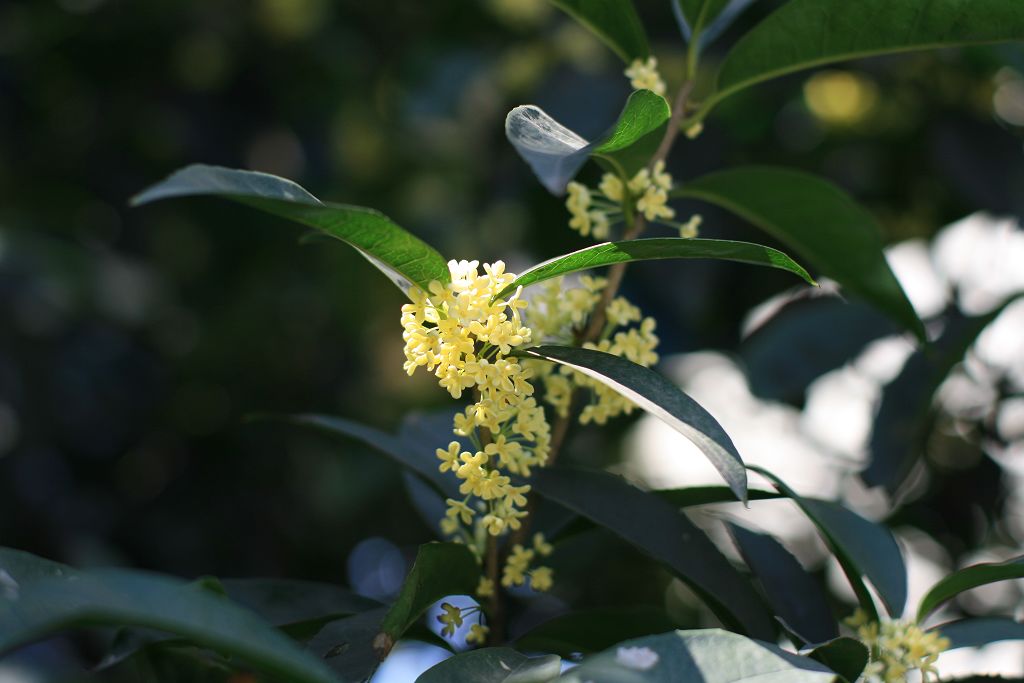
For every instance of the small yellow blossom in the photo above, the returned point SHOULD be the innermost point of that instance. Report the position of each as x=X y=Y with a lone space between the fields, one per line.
x=451 y=619
x=643 y=75
x=542 y=547
x=477 y=634
x=691 y=228
x=612 y=187
x=541 y=579
x=897 y=647
x=485 y=588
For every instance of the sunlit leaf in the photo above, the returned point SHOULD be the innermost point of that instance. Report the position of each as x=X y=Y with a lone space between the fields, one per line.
x=404 y=258
x=661 y=398
x=556 y=153
x=613 y=21
x=493 y=665
x=661 y=531
x=820 y=222
x=653 y=248
x=980 y=631
x=967 y=578
x=808 y=33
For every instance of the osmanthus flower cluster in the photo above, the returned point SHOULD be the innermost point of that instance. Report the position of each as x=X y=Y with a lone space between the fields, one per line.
x=464 y=335
x=898 y=647
x=558 y=314
x=594 y=211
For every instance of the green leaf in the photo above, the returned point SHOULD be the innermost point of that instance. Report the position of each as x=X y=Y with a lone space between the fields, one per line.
x=822 y=223
x=284 y=602
x=556 y=153
x=351 y=646
x=700 y=13
x=18 y=566
x=40 y=607
x=493 y=665
x=440 y=569
x=807 y=33
x=404 y=258
x=594 y=630
x=901 y=424
x=626 y=251
x=795 y=595
x=863 y=549
x=846 y=656
x=708 y=656
x=980 y=631
x=613 y=21
x=968 y=578
x=706 y=495
x=661 y=398
x=660 y=530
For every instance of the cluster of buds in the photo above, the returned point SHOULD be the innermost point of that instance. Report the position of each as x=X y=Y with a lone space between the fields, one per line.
x=897 y=647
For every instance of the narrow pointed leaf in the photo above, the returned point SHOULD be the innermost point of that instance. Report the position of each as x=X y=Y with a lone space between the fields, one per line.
x=863 y=548
x=493 y=665
x=795 y=595
x=966 y=579
x=661 y=398
x=440 y=569
x=704 y=656
x=556 y=153
x=691 y=496
x=615 y=22
x=700 y=13
x=401 y=256
x=626 y=251
x=807 y=33
x=820 y=222
x=660 y=530
x=846 y=656
x=980 y=631
x=44 y=606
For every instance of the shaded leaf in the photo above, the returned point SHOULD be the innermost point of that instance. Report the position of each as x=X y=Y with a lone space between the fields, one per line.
x=901 y=423
x=707 y=656
x=18 y=566
x=796 y=596
x=700 y=13
x=493 y=665
x=807 y=33
x=613 y=21
x=290 y=601
x=705 y=495
x=440 y=569
x=863 y=548
x=822 y=223
x=44 y=606
x=556 y=153
x=626 y=251
x=348 y=646
x=594 y=630
x=846 y=656
x=661 y=398
x=404 y=258
x=968 y=578
x=658 y=529
x=980 y=631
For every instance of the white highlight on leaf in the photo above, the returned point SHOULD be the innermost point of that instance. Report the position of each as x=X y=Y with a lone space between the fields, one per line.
x=639 y=658
x=8 y=586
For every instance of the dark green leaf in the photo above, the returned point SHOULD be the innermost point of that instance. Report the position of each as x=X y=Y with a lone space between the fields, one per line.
x=351 y=647
x=290 y=601
x=807 y=33
x=626 y=251
x=17 y=567
x=658 y=528
x=556 y=154
x=846 y=656
x=705 y=495
x=707 y=656
x=820 y=222
x=613 y=21
x=40 y=607
x=404 y=258
x=440 y=569
x=901 y=423
x=493 y=665
x=795 y=595
x=968 y=578
x=661 y=398
x=594 y=630
x=863 y=549
x=980 y=631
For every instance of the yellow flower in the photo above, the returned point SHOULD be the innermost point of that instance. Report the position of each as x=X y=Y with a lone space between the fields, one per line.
x=691 y=228
x=485 y=588
x=450 y=457
x=643 y=75
x=612 y=187
x=452 y=618
x=541 y=546
x=541 y=579
x=477 y=634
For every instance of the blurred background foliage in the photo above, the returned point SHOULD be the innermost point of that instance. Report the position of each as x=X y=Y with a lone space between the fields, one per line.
x=133 y=343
